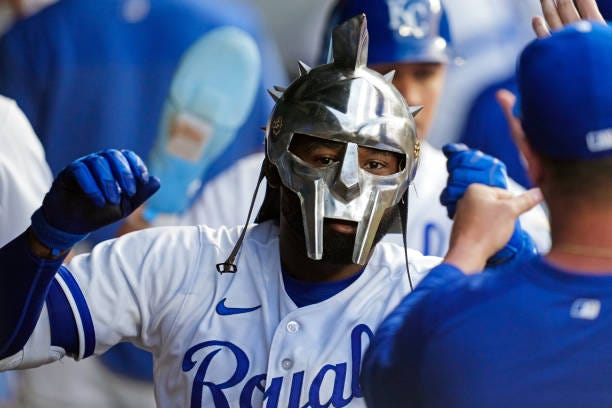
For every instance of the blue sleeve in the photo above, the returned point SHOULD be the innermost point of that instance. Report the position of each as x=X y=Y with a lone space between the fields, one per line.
x=27 y=282
x=63 y=324
x=390 y=372
x=486 y=129
x=525 y=249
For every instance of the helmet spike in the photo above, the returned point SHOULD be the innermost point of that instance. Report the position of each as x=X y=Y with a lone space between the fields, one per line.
x=275 y=94
x=304 y=69
x=414 y=110
x=389 y=76
x=350 y=43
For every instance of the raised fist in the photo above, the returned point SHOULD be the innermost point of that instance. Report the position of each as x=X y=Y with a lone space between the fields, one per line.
x=93 y=191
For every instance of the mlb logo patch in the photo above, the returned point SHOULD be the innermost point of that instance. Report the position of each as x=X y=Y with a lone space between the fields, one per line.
x=586 y=309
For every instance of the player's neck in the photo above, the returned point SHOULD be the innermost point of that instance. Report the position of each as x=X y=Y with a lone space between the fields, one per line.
x=309 y=270
x=582 y=241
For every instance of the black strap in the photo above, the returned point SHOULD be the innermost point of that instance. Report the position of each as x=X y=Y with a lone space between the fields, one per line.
x=403 y=210
x=229 y=266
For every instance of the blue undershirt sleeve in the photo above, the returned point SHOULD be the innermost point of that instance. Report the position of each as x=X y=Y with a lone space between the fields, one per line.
x=26 y=279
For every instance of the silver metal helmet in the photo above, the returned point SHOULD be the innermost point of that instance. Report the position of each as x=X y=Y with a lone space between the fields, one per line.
x=343 y=101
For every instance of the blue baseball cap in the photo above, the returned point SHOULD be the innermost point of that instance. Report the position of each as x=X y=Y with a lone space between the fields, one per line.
x=399 y=31
x=565 y=92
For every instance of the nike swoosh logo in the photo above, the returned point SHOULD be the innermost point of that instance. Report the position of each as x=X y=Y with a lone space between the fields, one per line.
x=223 y=310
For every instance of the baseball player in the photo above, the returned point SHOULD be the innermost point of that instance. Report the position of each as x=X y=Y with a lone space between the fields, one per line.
x=277 y=314
x=413 y=38
x=535 y=334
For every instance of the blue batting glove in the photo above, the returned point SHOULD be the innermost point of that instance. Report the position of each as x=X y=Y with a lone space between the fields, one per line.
x=93 y=191
x=466 y=166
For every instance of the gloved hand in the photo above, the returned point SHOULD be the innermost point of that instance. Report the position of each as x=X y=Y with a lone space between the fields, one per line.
x=466 y=166
x=93 y=191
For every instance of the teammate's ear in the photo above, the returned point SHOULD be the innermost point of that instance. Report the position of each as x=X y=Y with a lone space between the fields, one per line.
x=532 y=161
x=530 y=158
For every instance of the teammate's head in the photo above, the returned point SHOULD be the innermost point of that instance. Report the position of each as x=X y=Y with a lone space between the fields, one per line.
x=411 y=37
x=344 y=144
x=565 y=106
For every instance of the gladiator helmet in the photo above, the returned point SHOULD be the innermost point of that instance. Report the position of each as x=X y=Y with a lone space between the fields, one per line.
x=343 y=101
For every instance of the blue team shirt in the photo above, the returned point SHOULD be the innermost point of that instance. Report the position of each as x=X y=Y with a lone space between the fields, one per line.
x=486 y=129
x=525 y=335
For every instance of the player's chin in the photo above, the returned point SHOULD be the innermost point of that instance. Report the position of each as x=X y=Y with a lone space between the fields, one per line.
x=338 y=241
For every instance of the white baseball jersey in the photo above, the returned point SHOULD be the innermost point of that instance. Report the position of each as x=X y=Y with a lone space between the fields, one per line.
x=222 y=340
x=24 y=174
x=25 y=177
x=225 y=201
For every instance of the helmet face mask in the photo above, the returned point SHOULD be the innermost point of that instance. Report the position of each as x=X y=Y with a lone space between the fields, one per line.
x=346 y=103
x=344 y=191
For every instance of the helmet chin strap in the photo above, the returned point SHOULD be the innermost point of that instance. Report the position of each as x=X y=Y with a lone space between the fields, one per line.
x=229 y=266
x=403 y=210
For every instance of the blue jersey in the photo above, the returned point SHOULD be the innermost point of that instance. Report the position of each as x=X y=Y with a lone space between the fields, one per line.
x=528 y=335
x=486 y=129
x=92 y=74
